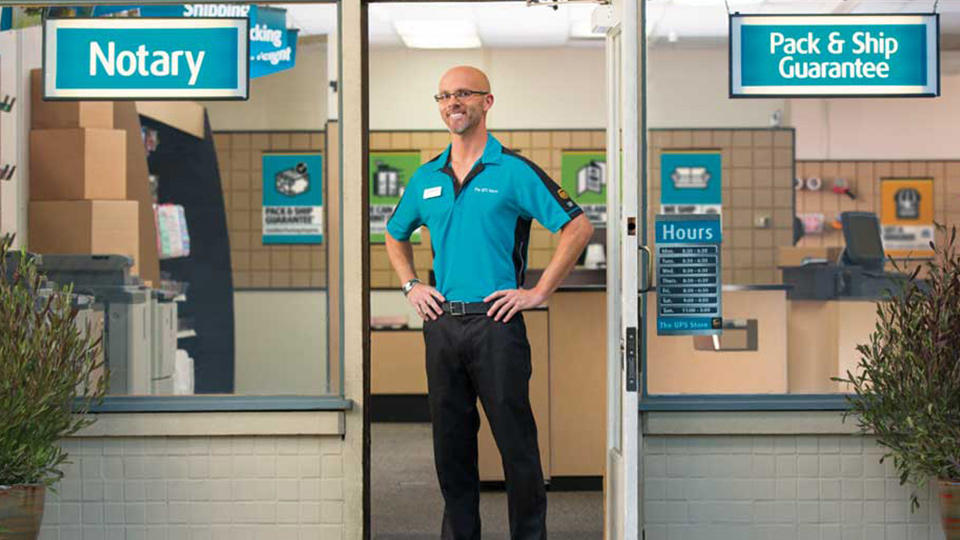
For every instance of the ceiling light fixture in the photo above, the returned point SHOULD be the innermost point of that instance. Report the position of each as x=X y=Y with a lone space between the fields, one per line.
x=438 y=34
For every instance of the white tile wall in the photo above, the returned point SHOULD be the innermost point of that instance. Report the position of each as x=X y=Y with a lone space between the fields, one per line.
x=210 y=488
x=778 y=488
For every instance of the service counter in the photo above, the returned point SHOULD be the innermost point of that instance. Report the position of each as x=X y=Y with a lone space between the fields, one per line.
x=772 y=346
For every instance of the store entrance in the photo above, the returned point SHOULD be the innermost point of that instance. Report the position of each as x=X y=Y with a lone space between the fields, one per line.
x=554 y=120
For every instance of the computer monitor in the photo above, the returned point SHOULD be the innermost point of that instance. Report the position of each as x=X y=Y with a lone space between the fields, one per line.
x=861 y=232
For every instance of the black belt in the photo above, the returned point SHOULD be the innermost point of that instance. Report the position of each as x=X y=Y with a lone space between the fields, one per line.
x=465 y=308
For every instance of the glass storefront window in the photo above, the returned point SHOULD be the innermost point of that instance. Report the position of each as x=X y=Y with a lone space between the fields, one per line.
x=223 y=215
x=801 y=184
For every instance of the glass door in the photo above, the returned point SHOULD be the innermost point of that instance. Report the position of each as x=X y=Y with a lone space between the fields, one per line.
x=622 y=486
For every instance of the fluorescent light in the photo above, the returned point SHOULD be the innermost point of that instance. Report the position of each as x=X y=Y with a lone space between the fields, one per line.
x=438 y=34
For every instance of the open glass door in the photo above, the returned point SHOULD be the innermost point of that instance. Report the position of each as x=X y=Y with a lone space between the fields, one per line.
x=624 y=230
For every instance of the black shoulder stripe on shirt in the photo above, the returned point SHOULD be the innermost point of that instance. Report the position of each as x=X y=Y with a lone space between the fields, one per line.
x=559 y=194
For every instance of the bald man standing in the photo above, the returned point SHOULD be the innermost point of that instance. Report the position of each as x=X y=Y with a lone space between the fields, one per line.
x=478 y=199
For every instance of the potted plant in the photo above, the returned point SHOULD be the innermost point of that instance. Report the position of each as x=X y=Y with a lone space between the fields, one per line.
x=906 y=391
x=50 y=375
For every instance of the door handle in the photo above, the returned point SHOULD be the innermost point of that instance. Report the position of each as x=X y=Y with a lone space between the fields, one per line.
x=649 y=253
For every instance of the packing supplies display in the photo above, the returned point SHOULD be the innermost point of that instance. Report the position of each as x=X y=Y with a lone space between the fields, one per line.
x=173 y=239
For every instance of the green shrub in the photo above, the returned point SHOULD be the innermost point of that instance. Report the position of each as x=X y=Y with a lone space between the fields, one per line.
x=49 y=373
x=906 y=391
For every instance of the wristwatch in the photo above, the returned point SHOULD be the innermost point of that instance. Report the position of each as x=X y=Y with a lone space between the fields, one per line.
x=408 y=286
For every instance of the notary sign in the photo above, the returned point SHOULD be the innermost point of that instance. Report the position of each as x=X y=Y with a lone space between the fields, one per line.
x=146 y=58
x=688 y=275
x=834 y=55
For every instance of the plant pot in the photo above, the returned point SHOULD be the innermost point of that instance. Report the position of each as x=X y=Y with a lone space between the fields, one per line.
x=950 y=508
x=21 y=509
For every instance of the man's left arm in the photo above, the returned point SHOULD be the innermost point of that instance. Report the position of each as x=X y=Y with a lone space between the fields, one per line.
x=574 y=237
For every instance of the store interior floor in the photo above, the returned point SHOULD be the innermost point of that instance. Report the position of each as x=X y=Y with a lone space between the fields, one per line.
x=406 y=502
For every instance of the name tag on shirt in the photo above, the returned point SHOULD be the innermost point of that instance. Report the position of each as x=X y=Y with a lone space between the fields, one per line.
x=430 y=193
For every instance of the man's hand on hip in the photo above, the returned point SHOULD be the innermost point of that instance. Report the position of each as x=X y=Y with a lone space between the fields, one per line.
x=509 y=302
x=426 y=300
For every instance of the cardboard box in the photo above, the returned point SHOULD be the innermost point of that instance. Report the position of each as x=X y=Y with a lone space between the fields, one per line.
x=66 y=114
x=74 y=164
x=794 y=256
x=95 y=227
x=186 y=116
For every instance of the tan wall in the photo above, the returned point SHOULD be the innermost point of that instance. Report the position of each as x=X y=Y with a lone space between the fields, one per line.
x=757 y=181
x=864 y=180
x=256 y=265
x=281 y=342
x=291 y=99
x=877 y=129
x=533 y=87
x=688 y=87
x=543 y=147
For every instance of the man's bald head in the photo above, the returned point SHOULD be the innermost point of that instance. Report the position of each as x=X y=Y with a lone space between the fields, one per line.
x=464 y=77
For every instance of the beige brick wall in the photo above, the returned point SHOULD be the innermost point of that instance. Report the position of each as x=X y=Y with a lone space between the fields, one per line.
x=236 y=487
x=778 y=487
x=241 y=168
x=864 y=179
x=757 y=181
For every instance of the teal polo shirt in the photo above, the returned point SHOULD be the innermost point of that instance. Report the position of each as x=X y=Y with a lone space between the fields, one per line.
x=480 y=229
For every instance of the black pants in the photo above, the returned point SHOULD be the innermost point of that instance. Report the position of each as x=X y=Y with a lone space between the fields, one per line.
x=474 y=356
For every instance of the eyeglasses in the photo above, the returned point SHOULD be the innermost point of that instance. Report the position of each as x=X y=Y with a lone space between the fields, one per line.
x=459 y=94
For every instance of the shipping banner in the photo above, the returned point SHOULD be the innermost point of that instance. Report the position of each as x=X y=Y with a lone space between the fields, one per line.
x=273 y=47
x=691 y=181
x=127 y=59
x=15 y=18
x=390 y=172
x=906 y=217
x=688 y=275
x=292 y=198
x=583 y=174
x=834 y=55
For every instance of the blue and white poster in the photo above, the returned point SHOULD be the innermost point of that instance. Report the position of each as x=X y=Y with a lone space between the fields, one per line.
x=688 y=275
x=834 y=55
x=292 y=198
x=273 y=47
x=691 y=181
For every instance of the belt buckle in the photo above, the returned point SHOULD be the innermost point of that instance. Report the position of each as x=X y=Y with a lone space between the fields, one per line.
x=457 y=309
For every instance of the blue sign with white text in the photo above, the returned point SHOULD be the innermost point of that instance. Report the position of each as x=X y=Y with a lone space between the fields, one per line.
x=834 y=55
x=145 y=58
x=292 y=198
x=273 y=47
x=689 y=280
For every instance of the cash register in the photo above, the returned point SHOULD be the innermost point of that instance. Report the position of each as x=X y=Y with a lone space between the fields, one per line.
x=857 y=274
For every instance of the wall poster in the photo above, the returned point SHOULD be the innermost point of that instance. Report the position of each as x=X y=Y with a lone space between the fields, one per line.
x=906 y=218
x=691 y=181
x=583 y=174
x=292 y=198
x=390 y=172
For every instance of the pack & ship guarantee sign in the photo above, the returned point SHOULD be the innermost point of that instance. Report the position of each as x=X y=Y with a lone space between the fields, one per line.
x=834 y=55
x=292 y=198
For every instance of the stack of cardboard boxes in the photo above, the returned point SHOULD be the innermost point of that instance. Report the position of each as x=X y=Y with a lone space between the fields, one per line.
x=78 y=180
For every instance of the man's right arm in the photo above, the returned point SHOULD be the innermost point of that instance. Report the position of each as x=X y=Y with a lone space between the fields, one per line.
x=424 y=298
